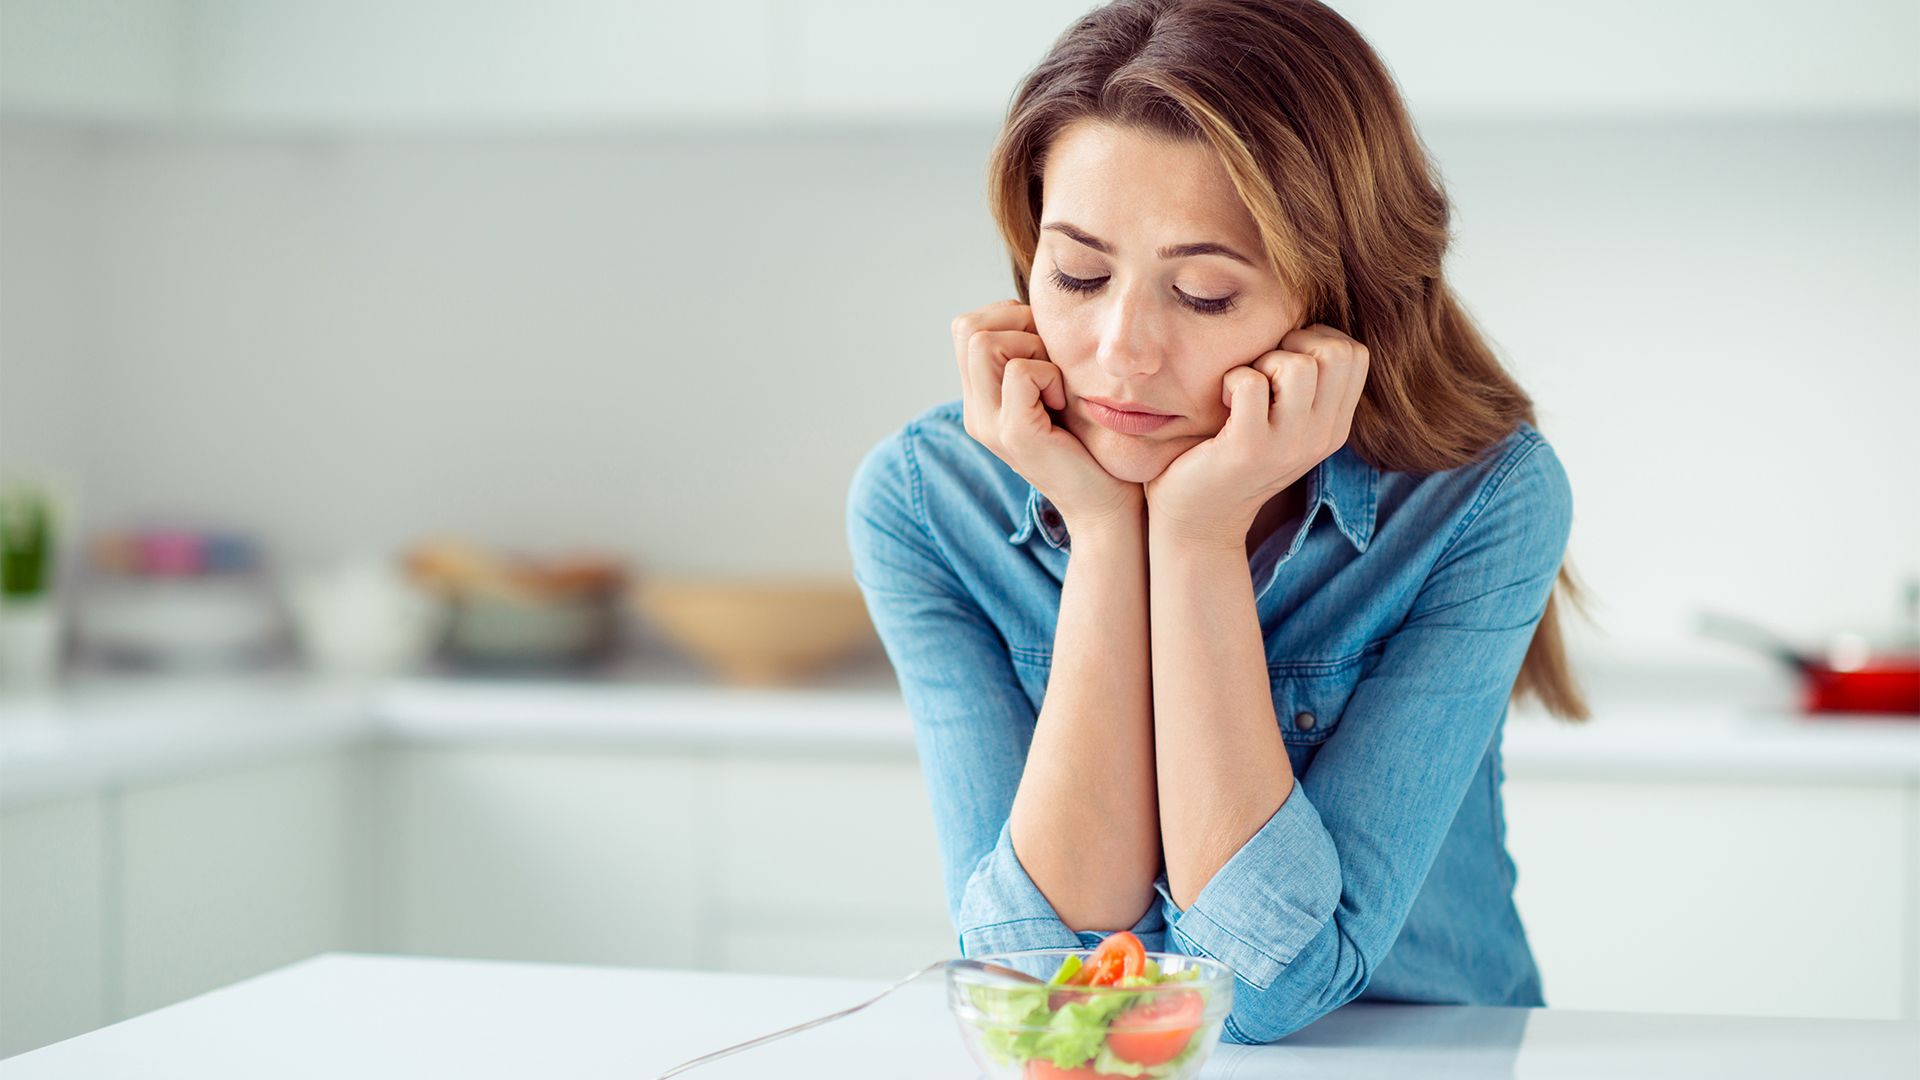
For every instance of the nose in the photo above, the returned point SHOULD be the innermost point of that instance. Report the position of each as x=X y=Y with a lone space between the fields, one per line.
x=1129 y=341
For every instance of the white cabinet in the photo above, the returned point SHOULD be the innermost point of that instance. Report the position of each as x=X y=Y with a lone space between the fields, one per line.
x=226 y=876
x=535 y=855
x=1705 y=896
x=796 y=863
x=829 y=866
x=53 y=905
x=122 y=901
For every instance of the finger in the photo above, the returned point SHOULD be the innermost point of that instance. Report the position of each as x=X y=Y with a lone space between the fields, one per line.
x=1343 y=372
x=999 y=315
x=1248 y=394
x=1352 y=380
x=1269 y=364
x=987 y=355
x=1307 y=339
x=1023 y=389
x=1295 y=378
x=1342 y=362
x=1046 y=376
x=1054 y=392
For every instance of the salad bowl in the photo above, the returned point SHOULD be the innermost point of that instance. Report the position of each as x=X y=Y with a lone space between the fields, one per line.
x=1032 y=1015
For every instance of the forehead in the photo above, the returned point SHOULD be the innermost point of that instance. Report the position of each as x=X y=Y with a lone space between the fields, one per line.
x=1122 y=184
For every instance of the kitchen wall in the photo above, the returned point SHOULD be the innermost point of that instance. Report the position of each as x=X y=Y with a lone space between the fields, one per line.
x=412 y=64
x=671 y=345
x=306 y=269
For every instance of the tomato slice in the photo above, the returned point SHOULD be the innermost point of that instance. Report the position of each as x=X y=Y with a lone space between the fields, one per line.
x=1158 y=1028
x=1120 y=956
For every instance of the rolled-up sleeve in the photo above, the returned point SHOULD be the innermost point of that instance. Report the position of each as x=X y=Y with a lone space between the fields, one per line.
x=1311 y=904
x=1004 y=911
x=973 y=722
x=1272 y=898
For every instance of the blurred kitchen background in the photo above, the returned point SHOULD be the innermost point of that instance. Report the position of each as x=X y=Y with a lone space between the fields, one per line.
x=424 y=430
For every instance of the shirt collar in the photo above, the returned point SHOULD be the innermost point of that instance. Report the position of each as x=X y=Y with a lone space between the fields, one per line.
x=1349 y=488
x=1346 y=485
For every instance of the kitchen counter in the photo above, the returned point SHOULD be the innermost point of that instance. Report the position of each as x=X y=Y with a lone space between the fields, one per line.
x=379 y=1016
x=98 y=735
x=163 y=837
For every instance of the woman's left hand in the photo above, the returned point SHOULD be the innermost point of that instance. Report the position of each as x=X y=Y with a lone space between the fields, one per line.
x=1287 y=412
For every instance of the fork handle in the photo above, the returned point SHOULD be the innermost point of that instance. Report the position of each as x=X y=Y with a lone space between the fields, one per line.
x=797 y=1028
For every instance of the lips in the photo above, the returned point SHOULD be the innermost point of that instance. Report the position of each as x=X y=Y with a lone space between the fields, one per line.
x=1125 y=417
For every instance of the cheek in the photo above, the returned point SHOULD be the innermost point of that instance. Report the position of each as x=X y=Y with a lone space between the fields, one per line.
x=1063 y=330
x=1216 y=354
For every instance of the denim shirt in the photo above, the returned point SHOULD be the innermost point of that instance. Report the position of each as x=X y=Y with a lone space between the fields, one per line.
x=1396 y=611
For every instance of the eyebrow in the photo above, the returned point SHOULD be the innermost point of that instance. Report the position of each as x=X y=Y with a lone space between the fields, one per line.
x=1176 y=251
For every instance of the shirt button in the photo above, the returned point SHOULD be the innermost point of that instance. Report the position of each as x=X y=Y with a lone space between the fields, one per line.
x=1050 y=519
x=1304 y=721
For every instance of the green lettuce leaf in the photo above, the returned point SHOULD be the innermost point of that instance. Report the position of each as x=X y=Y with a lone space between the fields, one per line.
x=1078 y=1029
x=1018 y=1026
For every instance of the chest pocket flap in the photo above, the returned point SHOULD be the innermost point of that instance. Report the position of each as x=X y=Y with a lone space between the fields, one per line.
x=1309 y=698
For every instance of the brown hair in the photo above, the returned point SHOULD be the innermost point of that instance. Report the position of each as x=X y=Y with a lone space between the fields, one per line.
x=1318 y=145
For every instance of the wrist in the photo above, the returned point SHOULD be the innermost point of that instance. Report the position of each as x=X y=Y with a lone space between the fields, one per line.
x=1123 y=517
x=1168 y=536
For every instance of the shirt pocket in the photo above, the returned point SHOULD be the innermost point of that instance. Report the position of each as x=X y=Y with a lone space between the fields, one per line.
x=1310 y=698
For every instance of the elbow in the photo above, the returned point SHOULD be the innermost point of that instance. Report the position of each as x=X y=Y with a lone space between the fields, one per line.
x=1327 y=974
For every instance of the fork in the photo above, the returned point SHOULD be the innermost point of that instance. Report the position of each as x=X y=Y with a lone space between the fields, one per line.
x=970 y=965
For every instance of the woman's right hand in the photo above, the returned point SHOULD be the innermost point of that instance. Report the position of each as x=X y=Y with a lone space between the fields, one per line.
x=1008 y=385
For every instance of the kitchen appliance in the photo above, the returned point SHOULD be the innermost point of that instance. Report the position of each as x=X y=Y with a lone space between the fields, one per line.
x=1854 y=674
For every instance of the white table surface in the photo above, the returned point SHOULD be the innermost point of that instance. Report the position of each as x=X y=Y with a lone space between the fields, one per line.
x=374 y=1017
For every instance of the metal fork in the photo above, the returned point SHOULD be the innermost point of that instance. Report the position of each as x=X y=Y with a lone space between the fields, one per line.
x=974 y=965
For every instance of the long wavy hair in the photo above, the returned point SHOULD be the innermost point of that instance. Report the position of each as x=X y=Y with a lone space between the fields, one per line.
x=1318 y=144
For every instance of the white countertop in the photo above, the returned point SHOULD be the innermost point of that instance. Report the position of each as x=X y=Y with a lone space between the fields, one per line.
x=373 y=1017
x=98 y=736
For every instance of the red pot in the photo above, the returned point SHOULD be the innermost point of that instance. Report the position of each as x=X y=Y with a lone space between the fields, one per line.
x=1885 y=685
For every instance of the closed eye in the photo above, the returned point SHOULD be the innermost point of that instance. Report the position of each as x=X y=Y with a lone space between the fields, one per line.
x=1200 y=304
x=1205 y=306
x=1074 y=284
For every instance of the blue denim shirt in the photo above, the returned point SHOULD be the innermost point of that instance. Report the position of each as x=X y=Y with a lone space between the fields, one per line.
x=1396 y=612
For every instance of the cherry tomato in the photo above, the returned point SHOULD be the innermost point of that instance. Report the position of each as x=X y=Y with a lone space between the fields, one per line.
x=1120 y=956
x=1169 y=1019
x=1042 y=1069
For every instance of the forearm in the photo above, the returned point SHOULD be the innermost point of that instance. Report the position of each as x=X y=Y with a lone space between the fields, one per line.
x=1221 y=764
x=1085 y=823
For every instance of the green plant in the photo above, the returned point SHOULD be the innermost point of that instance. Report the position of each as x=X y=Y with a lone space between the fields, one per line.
x=26 y=543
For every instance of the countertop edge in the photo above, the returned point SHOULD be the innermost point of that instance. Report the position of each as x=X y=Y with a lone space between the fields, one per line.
x=84 y=746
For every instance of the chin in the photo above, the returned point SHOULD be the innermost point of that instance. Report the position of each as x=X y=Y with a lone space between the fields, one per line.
x=1133 y=459
x=1134 y=471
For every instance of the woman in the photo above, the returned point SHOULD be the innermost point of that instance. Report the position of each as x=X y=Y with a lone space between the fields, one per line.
x=1208 y=598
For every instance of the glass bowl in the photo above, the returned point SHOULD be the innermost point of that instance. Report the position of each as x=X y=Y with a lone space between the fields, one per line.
x=1021 y=1029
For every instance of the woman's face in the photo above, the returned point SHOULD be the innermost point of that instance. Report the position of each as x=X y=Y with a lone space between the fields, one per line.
x=1149 y=284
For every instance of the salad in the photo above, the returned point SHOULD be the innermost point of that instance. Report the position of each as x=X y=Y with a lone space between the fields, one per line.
x=1115 y=1014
